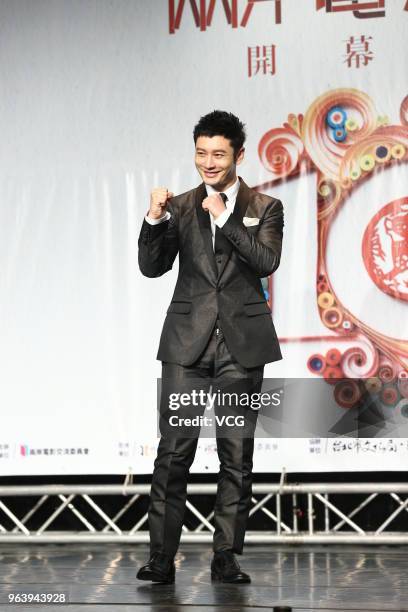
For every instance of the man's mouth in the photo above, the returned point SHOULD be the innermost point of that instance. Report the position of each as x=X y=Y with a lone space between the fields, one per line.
x=210 y=174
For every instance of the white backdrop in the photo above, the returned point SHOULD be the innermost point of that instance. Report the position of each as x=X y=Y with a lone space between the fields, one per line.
x=98 y=103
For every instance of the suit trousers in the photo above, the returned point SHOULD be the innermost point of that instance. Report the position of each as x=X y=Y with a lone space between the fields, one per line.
x=176 y=454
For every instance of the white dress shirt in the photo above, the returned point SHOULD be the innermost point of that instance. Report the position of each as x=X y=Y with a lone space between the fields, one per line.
x=231 y=194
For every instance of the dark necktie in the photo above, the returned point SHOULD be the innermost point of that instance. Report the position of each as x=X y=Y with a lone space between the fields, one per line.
x=219 y=236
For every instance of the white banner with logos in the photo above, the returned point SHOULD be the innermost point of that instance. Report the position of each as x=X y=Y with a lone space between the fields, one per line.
x=98 y=104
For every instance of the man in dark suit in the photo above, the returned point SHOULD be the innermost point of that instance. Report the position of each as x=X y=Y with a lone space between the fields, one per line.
x=218 y=326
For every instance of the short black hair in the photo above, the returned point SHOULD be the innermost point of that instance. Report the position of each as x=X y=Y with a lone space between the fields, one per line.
x=221 y=123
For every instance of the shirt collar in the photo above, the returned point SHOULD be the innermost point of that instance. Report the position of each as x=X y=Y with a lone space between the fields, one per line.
x=231 y=192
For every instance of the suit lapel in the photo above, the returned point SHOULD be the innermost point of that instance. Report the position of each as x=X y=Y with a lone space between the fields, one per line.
x=243 y=199
x=205 y=227
x=241 y=205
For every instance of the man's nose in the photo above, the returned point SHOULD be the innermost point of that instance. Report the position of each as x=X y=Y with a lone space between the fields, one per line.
x=209 y=163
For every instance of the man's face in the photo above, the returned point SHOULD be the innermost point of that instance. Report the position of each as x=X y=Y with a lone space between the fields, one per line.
x=215 y=162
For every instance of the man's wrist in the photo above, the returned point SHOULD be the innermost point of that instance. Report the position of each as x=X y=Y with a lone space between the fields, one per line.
x=153 y=221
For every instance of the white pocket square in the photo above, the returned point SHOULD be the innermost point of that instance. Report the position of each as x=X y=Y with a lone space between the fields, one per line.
x=248 y=221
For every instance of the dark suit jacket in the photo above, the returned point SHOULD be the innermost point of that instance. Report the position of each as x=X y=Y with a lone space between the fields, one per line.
x=229 y=287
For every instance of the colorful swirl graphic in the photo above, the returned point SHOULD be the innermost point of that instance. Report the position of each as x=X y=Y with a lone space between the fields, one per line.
x=360 y=361
x=385 y=145
x=346 y=141
x=280 y=150
x=404 y=111
x=320 y=142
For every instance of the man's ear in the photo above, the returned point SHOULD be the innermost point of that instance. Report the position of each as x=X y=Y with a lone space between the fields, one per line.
x=240 y=156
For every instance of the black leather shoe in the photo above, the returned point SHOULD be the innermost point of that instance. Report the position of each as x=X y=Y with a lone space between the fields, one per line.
x=225 y=568
x=160 y=568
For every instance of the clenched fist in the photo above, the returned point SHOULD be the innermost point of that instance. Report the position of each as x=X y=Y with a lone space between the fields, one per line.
x=159 y=198
x=214 y=204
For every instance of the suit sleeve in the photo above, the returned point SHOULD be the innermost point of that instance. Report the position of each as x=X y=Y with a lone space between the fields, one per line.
x=261 y=252
x=158 y=246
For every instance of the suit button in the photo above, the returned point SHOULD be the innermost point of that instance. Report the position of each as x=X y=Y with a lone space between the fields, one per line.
x=219 y=287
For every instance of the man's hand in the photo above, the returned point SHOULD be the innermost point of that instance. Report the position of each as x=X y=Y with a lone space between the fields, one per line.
x=158 y=202
x=214 y=204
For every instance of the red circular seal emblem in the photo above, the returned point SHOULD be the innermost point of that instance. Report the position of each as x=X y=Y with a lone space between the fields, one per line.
x=385 y=249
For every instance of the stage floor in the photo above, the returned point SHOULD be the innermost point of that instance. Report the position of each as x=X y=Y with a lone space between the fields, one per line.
x=331 y=577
